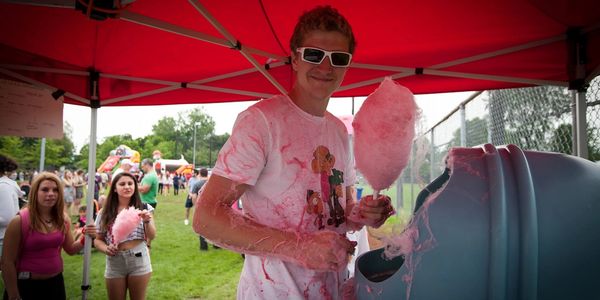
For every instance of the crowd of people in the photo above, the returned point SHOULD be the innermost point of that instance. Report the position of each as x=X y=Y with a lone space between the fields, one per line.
x=50 y=204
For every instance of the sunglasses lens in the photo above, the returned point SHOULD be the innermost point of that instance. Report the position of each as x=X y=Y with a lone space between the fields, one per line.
x=313 y=55
x=340 y=59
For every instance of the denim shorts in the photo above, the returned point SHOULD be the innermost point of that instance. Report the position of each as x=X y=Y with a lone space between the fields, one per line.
x=134 y=262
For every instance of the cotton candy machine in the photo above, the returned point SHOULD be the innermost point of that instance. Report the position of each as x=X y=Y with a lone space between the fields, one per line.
x=508 y=224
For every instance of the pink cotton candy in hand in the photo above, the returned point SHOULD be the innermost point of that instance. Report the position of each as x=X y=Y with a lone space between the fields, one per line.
x=127 y=220
x=384 y=129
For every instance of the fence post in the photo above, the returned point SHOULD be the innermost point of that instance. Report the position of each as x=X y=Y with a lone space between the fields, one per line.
x=463 y=126
x=412 y=174
x=581 y=107
x=574 y=122
x=432 y=155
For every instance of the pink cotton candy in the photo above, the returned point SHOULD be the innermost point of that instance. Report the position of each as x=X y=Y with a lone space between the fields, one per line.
x=384 y=129
x=127 y=220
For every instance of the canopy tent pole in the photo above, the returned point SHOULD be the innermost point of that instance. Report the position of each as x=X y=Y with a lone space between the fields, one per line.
x=168 y=27
x=89 y=213
x=428 y=71
x=577 y=59
x=271 y=65
x=45 y=70
x=372 y=81
x=574 y=143
x=500 y=52
x=582 y=138
x=493 y=77
x=42 y=154
x=42 y=85
x=237 y=45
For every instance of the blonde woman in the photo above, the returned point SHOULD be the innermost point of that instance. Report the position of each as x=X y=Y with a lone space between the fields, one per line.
x=31 y=261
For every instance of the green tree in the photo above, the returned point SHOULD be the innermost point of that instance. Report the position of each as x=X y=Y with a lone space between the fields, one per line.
x=10 y=145
x=26 y=150
x=524 y=116
x=173 y=137
x=477 y=133
x=215 y=143
x=562 y=141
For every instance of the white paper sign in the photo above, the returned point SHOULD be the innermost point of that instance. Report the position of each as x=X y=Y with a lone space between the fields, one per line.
x=29 y=111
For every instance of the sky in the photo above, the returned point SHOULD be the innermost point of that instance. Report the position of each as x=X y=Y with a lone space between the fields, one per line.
x=138 y=120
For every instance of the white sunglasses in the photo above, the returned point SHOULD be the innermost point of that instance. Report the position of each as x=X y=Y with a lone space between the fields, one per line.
x=316 y=56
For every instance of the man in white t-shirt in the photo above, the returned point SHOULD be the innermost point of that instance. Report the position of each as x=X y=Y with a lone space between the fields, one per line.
x=289 y=161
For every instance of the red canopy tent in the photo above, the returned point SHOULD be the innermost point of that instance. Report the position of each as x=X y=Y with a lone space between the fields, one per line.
x=174 y=52
x=156 y=52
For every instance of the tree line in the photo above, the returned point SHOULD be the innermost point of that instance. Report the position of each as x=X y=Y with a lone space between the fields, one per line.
x=172 y=136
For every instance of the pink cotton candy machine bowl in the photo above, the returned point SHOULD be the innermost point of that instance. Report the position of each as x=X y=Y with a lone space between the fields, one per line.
x=507 y=224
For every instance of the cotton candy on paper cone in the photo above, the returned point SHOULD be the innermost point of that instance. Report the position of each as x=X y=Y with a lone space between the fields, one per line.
x=384 y=129
x=125 y=223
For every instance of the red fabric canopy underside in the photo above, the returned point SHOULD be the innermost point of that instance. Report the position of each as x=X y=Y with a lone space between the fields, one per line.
x=395 y=38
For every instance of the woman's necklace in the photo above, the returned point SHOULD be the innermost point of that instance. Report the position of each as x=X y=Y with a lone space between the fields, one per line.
x=48 y=222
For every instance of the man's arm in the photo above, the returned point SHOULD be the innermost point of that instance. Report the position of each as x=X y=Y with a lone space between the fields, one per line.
x=144 y=186
x=215 y=220
x=195 y=191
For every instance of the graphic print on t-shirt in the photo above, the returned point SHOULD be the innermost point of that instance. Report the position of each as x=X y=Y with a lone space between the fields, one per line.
x=331 y=190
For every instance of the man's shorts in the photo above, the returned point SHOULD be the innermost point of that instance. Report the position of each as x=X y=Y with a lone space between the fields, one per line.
x=188 y=202
x=134 y=262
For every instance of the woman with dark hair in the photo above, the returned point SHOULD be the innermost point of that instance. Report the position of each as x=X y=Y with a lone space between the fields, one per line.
x=128 y=265
x=31 y=262
x=9 y=195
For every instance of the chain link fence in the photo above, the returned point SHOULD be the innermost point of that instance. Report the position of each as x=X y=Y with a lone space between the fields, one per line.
x=536 y=118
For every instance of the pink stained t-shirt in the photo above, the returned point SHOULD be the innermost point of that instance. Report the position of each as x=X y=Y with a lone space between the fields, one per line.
x=298 y=167
x=40 y=252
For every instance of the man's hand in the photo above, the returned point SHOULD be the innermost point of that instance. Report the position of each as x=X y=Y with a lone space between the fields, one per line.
x=372 y=212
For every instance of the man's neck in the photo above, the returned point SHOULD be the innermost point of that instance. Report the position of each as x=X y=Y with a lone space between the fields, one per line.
x=313 y=106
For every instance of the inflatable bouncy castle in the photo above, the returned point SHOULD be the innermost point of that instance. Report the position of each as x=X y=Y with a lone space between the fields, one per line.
x=115 y=156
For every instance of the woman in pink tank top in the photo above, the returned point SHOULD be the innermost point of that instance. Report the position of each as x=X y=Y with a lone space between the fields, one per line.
x=31 y=264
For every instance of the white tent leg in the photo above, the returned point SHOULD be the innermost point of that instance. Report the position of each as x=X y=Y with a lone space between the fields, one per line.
x=89 y=214
x=581 y=129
